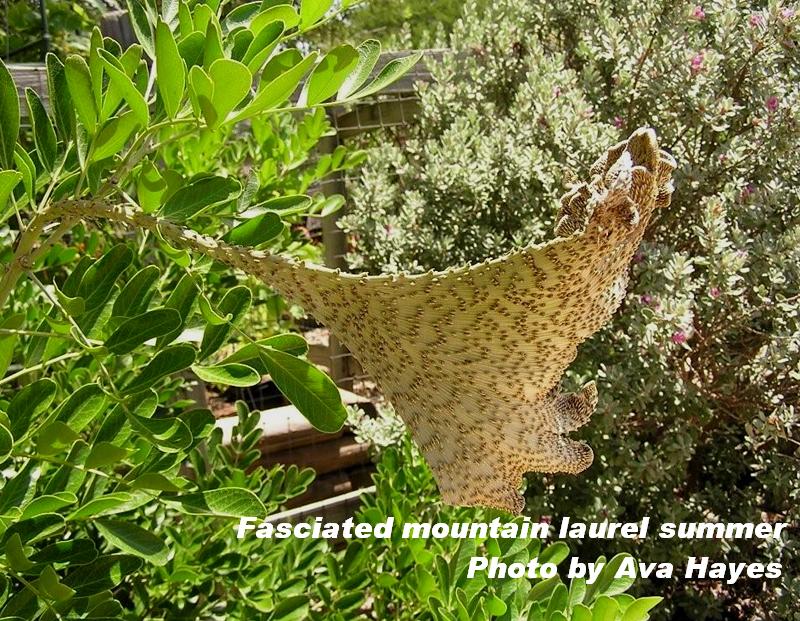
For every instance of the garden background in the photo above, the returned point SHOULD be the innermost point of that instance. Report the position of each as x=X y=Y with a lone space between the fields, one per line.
x=119 y=481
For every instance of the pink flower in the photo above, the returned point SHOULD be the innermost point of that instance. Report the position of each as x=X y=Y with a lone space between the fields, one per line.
x=747 y=191
x=756 y=20
x=638 y=257
x=619 y=122
x=714 y=292
x=698 y=13
x=787 y=13
x=679 y=337
x=772 y=103
x=646 y=299
x=389 y=229
x=696 y=64
x=556 y=91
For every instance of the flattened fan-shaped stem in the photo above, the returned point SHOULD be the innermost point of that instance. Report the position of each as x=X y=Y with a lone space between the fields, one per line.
x=471 y=357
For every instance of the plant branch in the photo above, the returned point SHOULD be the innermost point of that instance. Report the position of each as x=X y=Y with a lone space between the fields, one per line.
x=23 y=255
x=26 y=253
x=254 y=262
x=643 y=58
x=41 y=365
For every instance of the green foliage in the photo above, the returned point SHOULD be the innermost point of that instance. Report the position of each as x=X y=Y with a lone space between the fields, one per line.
x=427 y=578
x=698 y=371
x=118 y=494
x=209 y=571
x=213 y=572
x=402 y=24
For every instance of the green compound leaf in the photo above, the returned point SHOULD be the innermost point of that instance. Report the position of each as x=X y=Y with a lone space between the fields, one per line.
x=256 y=231
x=29 y=404
x=15 y=554
x=169 y=434
x=44 y=135
x=235 y=303
x=249 y=354
x=52 y=586
x=292 y=609
x=137 y=292
x=128 y=63
x=150 y=187
x=368 y=54
x=8 y=181
x=133 y=539
x=200 y=195
x=109 y=504
x=141 y=26
x=82 y=406
x=311 y=11
x=171 y=70
x=113 y=136
x=640 y=608
x=54 y=438
x=181 y=298
x=76 y=551
x=141 y=328
x=36 y=528
x=8 y=342
x=211 y=316
x=166 y=362
x=124 y=85
x=234 y=374
x=60 y=100
x=309 y=389
x=240 y=17
x=393 y=71
x=102 y=574
x=329 y=75
x=6 y=442
x=232 y=81
x=278 y=90
x=105 y=454
x=607 y=583
x=9 y=117
x=279 y=13
x=154 y=481
x=79 y=81
x=226 y=502
x=48 y=503
x=605 y=609
x=262 y=45
x=554 y=553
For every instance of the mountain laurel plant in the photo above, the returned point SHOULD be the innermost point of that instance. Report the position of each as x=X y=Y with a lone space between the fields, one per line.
x=103 y=454
x=698 y=414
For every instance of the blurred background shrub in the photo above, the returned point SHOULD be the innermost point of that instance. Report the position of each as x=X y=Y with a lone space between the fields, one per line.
x=69 y=24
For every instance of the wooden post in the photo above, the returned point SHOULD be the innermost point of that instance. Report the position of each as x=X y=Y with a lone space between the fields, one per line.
x=335 y=248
